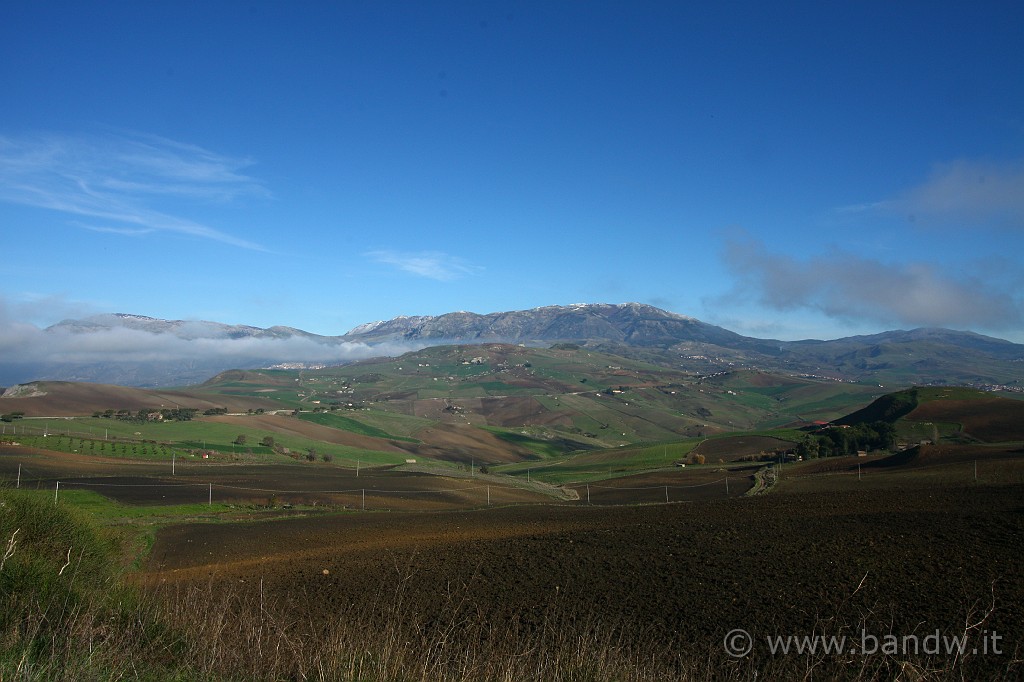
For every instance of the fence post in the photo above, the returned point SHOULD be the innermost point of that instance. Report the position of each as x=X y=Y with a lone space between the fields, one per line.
x=210 y=502
x=727 y=486
x=19 y=476
x=364 y=499
x=666 y=493
x=55 y=491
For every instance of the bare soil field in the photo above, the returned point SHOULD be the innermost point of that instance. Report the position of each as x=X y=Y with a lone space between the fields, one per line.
x=445 y=441
x=462 y=443
x=671 y=485
x=933 y=455
x=732 y=448
x=673 y=578
x=513 y=411
x=918 y=468
x=913 y=549
x=991 y=420
x=151 y=483
x=451 y=442
x=832 y=465
x=71 y=399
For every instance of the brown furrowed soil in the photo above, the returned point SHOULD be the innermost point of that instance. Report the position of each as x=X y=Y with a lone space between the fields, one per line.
x=151 y=483
x=919 y=467
x=513 y=411
x=461 y=443
x=674 y=578
x=733 y=448
x=912 y=547
x=991 y=420
x=669 y=485
x=288 y=425
x=453 y=442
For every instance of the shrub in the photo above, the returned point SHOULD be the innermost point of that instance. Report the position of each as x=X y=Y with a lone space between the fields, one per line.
x=64 y=611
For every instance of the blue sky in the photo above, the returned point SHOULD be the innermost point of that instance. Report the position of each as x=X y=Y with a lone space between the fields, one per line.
x=786 y=170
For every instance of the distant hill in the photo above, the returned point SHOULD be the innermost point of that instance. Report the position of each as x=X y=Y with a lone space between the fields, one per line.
x=142 y=351
x=631 y=324
x=520 y=403
x=508 y=399
x=888 y=408
x=184 y=329
x=67 y=398
x=954 y=413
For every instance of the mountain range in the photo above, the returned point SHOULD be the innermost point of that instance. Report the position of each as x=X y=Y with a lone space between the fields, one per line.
x=135 y=350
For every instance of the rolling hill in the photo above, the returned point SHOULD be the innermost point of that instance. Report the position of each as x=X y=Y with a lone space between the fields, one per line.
x=153 y=352
x=491 y=402
x=951 y=413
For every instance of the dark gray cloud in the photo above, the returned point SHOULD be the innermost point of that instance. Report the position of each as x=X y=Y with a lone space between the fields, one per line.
x=853 y=288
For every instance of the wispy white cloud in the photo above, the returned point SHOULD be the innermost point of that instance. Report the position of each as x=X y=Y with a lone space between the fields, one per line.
x=120 y=178
x=850 y=287
x=430 y=264
x=125 y=231
x=963 y=193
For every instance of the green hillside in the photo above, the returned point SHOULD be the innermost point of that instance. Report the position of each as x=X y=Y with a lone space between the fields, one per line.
x=491 y=403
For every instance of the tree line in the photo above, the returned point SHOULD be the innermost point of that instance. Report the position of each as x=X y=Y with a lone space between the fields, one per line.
x=836 y=441
x=181 y=414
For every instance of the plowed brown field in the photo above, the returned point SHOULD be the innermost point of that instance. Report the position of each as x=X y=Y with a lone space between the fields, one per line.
x=992 y=420
x=682 y=575
x=139 y=482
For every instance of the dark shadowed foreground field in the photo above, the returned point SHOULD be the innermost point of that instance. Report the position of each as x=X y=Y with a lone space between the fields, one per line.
x=660 y=587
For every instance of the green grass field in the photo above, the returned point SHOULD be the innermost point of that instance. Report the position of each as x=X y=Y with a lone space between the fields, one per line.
x=600 y=464
x=112 y=438
x=337 y=421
